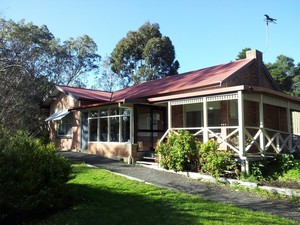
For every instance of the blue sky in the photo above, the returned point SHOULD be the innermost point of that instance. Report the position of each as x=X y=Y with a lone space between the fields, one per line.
x=204 y=32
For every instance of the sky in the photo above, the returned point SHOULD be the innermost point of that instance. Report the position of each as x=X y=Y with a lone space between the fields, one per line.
x=203 y=32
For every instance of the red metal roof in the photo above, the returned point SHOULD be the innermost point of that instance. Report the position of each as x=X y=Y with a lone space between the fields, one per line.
x=86 y=94
x=182 y=82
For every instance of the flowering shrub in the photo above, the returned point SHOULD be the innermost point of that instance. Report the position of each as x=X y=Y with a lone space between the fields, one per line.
x=180 y=152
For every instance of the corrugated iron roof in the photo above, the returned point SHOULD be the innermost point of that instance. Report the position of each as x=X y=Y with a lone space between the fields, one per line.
x=190 y=81
x=86 y=94
x=182 y=82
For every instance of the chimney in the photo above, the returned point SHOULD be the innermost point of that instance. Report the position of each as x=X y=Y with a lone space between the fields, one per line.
x=258 y=72
x=254 y=54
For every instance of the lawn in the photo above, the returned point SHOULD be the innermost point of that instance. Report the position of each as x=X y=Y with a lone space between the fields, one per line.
x=106 y=198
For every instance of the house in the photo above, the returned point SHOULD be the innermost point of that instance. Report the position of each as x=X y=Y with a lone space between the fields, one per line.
x=237 y=103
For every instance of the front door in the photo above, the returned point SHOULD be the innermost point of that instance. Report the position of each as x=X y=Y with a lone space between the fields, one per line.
x=150 y=126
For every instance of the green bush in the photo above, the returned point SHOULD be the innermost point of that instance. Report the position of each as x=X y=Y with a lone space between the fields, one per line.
x=32 y=176
x=273 y=168
x=213 y=161
x=180 y=152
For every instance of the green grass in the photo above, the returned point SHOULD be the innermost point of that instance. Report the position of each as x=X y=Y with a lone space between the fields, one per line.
x=291 y=175
x=109 y=199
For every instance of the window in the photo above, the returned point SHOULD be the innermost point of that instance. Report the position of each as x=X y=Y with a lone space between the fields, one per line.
x=114 y=125
x=111 y=125
x=93 y=126
x=65 y=126
x=103 y=125
x=125 y=125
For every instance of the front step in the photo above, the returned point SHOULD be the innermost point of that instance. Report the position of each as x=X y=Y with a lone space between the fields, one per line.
x=147 y=163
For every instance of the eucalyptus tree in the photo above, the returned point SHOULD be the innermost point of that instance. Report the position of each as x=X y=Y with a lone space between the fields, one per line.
x=144 y=55
x=31 y=59
x=284 y=72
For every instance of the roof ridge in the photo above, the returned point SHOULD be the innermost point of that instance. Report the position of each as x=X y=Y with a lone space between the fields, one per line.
x=88 y=89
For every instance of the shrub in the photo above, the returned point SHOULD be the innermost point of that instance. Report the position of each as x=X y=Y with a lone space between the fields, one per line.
x=273 y=168
x=32 y=176
x=180 y=152
x=213 y=161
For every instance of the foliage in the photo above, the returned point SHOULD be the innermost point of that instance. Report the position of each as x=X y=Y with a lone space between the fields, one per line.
x=31 y=59
x=213 y=161
x=283 y=70
x=108 y=80
x=242 y=54
x=111 y=199
x=291 y=175
x=180 y=152
x=32 y=176
x=144 y=55
x=273 y=168
x=35 y=50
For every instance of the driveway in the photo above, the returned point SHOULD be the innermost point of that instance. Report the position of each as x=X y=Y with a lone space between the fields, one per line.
x=178 y=182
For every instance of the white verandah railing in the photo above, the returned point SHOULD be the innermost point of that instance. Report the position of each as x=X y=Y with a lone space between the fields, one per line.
x=259 y=141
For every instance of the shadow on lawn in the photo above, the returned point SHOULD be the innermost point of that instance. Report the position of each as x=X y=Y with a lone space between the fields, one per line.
x=102 y=206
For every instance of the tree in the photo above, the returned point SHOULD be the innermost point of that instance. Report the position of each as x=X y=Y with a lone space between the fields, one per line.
x=31 y=59
x=242 y=54
x=36 y=50
x=78 y=56
x=108 y=80
x=144 y=55
x=284 y=72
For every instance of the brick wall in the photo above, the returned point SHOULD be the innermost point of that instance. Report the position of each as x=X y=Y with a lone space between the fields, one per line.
x=251 y=113
x=254 y=75
x=177 y=116
x=65 y=101
x=275 y=117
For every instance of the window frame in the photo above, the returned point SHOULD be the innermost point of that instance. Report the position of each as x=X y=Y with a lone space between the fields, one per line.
x=120 y=115
x=67 y=120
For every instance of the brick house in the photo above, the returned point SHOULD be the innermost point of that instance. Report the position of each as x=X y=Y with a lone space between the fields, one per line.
x=238 y=104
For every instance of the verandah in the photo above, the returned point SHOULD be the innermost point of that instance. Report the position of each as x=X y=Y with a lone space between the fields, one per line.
x=251 y=125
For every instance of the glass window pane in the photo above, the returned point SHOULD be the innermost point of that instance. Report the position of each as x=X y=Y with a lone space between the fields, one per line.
x=114 y=111
x=114 y=129
x=93 y=129
x=158 y=120
x=103 y=129
x=125 y=128
x=93 y=114
x=65 y=126
x=68 y=129
x=144 y=118
x=103 y=113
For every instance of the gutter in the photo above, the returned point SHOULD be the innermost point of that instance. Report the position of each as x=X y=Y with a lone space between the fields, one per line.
x=130 y=158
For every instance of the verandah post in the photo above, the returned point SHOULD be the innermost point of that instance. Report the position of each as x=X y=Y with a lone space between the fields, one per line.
x=205 y=120
x=261 y=123
x=169 y=117
x=241 y=116
x=289 y=126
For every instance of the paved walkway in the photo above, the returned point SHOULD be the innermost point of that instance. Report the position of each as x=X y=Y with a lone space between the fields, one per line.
x=178 y=182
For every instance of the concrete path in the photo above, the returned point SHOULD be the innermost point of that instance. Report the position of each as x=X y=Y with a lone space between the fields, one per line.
x=178 y=182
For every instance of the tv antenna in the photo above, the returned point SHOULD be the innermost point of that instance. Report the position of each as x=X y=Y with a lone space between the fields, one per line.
x=268 y=20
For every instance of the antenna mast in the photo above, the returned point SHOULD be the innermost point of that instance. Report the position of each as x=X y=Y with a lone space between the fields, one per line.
x=271 y=20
